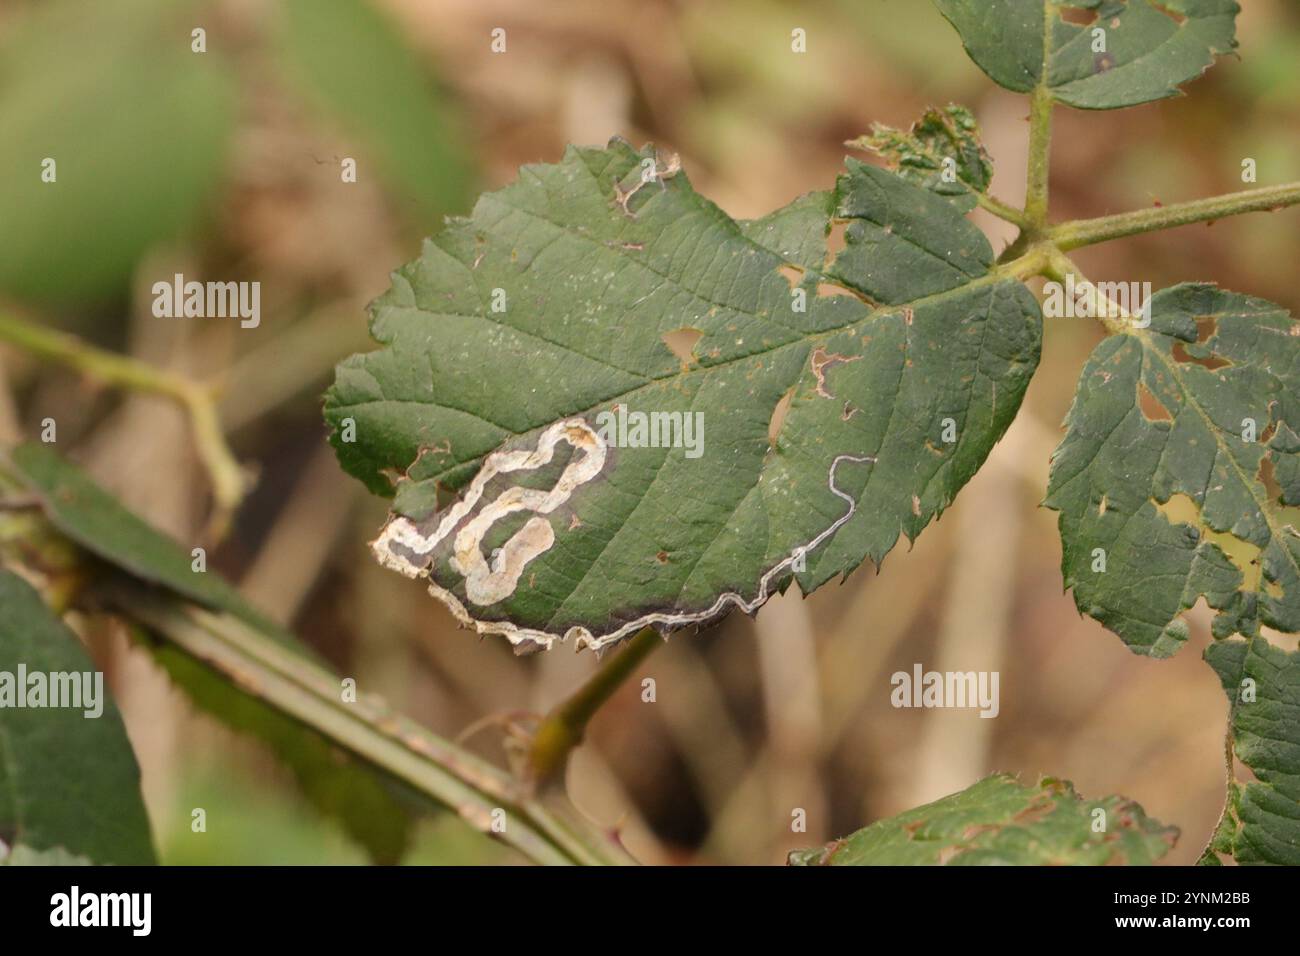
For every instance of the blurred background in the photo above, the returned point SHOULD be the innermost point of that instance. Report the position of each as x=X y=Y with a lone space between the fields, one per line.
x=225 y=165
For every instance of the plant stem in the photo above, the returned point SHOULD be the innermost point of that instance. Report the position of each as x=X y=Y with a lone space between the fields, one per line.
x=562 y=729
x=1040 y=153
x=1087 y=232
x=1112 y=317
x=1002 y=210
x=368 y=729
x=224 y=471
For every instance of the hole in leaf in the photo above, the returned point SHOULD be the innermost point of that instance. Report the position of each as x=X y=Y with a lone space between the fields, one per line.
x=1153 y=410
x=829 y=290
x=1288 y=516
x=778 y=416
x=682 y=342
x=791 y=274
x=1211 y=362
x=1206 y=326
x=1078 y=15
x=1182 y=509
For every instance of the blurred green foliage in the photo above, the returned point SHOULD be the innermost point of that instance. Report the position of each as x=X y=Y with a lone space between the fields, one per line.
x=350 y=63
x=138 y=127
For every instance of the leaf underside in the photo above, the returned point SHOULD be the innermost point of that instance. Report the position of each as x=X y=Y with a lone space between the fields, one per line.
x=1145 y=51
x=999 y=821
x=572 y=530
x=69 y=783
x=1179 y=473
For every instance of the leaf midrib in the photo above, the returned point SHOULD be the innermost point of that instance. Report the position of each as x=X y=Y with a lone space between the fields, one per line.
x=992 y=277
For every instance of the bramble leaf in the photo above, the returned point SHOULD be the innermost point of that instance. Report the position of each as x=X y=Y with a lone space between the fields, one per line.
x=1001 y=822
x=1180 y=471
x=942 y=152
x=1261 y=823
x=68 y=777
x=528 y=368
x=1109 y=54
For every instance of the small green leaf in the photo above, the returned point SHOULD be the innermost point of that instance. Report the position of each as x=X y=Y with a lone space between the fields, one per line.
x=1179 y=472
x=941 y=152
x=1262 y=821
x=1001 y=822
x=94 y=519
x=525 y=344
x=68 y=777
x=1127 y=52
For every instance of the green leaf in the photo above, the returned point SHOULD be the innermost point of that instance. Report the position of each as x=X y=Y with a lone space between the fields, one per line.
x=1001 y=822
x=906 y=365
x=136 y=124
x=1262 y=820
x=1179 y=471
x=941 y=152
x=345 y=57
x=96 y=521
x=68 y=777
x=1144 y=51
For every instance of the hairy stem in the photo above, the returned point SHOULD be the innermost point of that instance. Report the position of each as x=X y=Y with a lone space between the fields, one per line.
x=1040 y=153
x=478 y=792
x=1002 y=210
x=1113 y=318
x=228 y=480
x=1087 y=232
x=562 y=729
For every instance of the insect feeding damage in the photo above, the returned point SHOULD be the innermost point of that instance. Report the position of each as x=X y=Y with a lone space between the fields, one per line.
x=404 y=546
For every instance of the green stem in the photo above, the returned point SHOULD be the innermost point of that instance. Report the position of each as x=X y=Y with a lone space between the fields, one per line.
x=1087 y=232
x=1040 y=158
x=1112 y=317
x=1002 y=210
x=224 y=471
x=563 y=728
x=368 y=729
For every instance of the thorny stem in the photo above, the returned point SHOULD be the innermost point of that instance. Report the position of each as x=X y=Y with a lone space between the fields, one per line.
x=368 y=729
x=563 y=728
x=228 y=479
x=1086 y=232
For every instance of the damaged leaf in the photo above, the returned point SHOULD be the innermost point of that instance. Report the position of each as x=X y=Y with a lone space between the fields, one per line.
x=1261 y=823
x=1095 y=54
x=563 y=473
x=1001 y=822
x=1179 y=472
x=942 y=152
